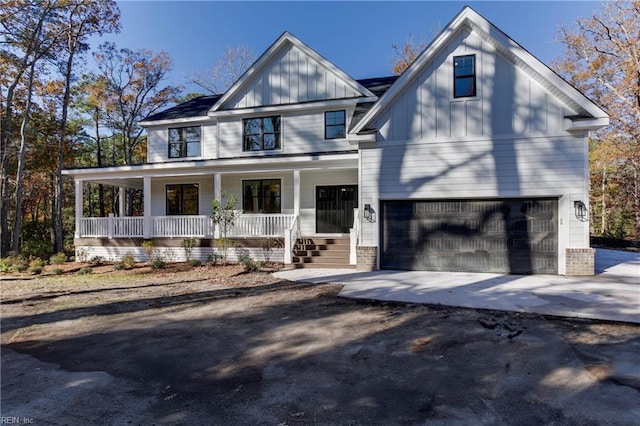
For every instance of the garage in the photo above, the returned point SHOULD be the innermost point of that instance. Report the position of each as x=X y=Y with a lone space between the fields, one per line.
x=516 y=236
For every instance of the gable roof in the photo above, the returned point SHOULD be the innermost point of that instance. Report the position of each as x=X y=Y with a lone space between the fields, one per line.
x=471 y=19
x=270 y=55
x=196 y=107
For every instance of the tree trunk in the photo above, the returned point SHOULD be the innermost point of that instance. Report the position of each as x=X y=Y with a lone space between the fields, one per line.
x=603 y=227
x=17 y=221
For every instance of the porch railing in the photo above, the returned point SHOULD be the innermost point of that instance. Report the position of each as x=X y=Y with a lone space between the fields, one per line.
x=181 y=226
x=259 y=225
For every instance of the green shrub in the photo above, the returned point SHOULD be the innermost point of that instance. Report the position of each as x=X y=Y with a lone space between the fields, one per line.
x=96 y=260
x=158 y=263
x=58 y=258
x=149 y=248
x=36 y=262
x=187 y=245
x=58 y=271
x=35 y=270
x=195 y=263
x=249 y=264
x=20 y=266
x=85 y=271
x=128 y=260
x=213 y=259
x=119 y=266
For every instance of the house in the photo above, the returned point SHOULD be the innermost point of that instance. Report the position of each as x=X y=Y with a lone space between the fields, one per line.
x=474 y=159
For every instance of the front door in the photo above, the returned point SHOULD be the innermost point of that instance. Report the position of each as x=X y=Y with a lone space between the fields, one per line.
x=334 y=208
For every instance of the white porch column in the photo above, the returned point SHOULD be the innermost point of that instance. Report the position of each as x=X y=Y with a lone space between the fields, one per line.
x=122 y=199
x=296 y=192
x=79 y=195
x=217 y=195
x=217 y=186
x=146 y=192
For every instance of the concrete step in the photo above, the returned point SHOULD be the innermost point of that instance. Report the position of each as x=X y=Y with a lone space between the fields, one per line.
x=322 y=266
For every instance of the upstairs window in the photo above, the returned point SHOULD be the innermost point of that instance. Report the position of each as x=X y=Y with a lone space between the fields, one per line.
x=184 y=142
x=261 y=196
x=334 y=124
x=182 y=199
x=261 y=134
x=464 y=76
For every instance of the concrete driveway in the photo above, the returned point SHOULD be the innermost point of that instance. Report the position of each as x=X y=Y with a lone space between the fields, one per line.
x=612 y=294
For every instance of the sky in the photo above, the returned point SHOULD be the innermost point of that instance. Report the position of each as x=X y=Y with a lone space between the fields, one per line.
x=356 y=36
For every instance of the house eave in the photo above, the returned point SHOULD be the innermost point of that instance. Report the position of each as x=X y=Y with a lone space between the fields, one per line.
x=300 y=106
x=586 y=123
x=180 y=121
x=310 y=161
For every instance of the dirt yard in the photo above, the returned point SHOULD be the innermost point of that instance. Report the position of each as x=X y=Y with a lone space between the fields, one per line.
x=214 y=345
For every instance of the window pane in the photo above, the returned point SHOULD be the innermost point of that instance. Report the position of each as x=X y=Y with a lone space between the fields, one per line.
x=335 y=132
x=271 y=196
x=250 y=196
x=193 y=149
x=464 y=87
x=252 y=143
x=173 y=199
x=270 y=141
x=252 y=126
x=271 y=124
x=174 y=135
x=192 y=133
x=175 y=150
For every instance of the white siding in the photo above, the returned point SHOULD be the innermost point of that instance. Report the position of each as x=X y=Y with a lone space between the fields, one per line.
x=158 y=193
x=301 y=132
x=292 y=77
x=158 y=143
x=508 y=101
x=483 y=168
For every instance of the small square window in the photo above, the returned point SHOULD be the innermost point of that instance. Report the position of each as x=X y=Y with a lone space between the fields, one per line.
x=261 y=134
x=464 y=76
x=184 y=142
x=335 y=124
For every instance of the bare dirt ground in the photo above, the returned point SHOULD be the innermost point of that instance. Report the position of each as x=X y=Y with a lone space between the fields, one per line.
x=214 y=345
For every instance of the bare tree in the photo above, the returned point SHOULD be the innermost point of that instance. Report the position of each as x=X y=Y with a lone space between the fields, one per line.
x=233 y=62
x=603 y=60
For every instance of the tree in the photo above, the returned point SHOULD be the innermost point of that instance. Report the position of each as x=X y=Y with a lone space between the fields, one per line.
x=30 y=34
x=405 y=55
x=233 y=62
x=80 y=20
x=603 y=61
x=133 y=90
x=224 y=215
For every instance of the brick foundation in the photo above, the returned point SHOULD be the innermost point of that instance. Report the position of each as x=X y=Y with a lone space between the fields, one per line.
x=580 y=261
x=367 y=258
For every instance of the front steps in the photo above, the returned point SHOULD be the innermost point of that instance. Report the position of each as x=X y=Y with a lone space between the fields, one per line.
x=330 y=253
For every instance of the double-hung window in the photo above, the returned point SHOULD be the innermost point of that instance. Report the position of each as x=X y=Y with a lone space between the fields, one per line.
x=464 y=76
x=334 y=124
x=261 y=196
x=182 y=199
x=261 y=134
x=184 y=142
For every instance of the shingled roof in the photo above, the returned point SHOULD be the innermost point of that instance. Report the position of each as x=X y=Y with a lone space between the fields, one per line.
x=196 y=107
x=200 y=106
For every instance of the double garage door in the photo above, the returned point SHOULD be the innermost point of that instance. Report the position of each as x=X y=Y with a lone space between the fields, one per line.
x=517 y=236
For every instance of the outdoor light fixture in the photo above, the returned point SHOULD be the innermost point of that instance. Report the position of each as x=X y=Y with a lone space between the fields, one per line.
x=369 y=214
x=580 y=210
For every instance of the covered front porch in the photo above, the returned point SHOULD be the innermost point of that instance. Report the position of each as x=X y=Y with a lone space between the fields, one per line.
x=281 y=204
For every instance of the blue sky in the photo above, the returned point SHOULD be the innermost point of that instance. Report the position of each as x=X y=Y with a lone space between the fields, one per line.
x=355 y=36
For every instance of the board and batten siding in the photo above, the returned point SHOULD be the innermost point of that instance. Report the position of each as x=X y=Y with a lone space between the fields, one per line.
x=292 y=77
x=508 y=101
x=301 y=132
